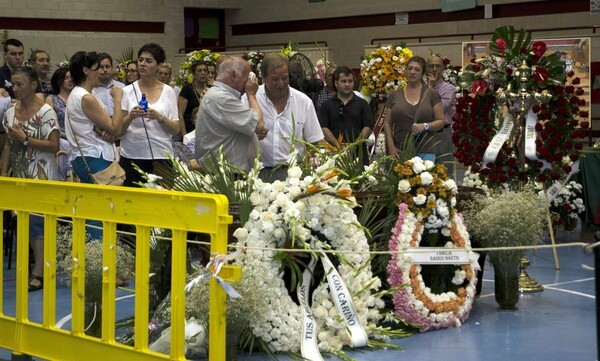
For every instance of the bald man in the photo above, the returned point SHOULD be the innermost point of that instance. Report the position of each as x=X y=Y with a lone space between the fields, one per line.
x=223 y=120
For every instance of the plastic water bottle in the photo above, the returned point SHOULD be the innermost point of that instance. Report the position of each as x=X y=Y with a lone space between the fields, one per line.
x=143 y=103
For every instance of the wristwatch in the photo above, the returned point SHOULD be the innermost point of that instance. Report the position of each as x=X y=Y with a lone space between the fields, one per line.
x=426 y=126
x=25 y=140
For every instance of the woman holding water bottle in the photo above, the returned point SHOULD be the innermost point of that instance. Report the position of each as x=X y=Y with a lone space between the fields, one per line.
x=151 y=107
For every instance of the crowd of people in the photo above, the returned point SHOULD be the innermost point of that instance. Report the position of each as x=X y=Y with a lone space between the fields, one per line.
x=81 y=119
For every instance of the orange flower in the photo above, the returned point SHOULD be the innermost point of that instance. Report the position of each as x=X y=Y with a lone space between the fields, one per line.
x=413 y=271
x=344 y=193
x=455 y=236
x=431 y=203
x=330 y=147
x=469 y=271
x=403 y=170
x=440 y=169
x=331 y=174
x=415 y=235
x=313 y=189
x=429 y=304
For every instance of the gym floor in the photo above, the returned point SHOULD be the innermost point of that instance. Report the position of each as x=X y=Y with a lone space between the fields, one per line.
x=554 y=325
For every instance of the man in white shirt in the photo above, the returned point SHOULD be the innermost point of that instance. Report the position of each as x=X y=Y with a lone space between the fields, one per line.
x=288 y=113
x=102 y=91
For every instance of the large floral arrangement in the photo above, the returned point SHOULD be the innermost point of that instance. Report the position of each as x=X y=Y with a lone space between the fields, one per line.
x=444 y=295
x=255 y=59
x=289 y=50
x=560 y=120
x=304 y=210
x=473 y=180
x=382 y=70
x=309 y=213
x=120 y=69
x=568 y=205
x=508 y=219
x=451 y=74
x=185 y=76
x=427 y=191
x=322 y=64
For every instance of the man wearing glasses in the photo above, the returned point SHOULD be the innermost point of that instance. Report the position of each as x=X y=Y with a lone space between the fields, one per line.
x=443 y=137
x=345 y=114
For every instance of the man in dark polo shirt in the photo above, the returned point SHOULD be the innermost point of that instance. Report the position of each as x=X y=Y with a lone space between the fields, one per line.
x=346 y=114
x=13 y=58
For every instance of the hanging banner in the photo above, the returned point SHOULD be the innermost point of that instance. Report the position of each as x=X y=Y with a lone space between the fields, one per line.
x=491 y=153
x=309 y=345
x=343 y=301
x=530 y=136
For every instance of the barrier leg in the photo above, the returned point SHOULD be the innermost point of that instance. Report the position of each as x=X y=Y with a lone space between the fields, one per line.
x=597 y=280
x=20 y=357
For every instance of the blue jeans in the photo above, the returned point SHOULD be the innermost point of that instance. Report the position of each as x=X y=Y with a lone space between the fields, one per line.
x=96 y=165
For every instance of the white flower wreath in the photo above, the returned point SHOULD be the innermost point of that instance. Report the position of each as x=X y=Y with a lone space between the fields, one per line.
x=415 y=303
x=427 y=200
x=305 y=208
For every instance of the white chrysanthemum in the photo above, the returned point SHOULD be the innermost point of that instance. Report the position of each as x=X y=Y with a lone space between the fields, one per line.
x=451 y=184
x=419 y=199
x=418 y=165
x=404 y=186
x=426 y=178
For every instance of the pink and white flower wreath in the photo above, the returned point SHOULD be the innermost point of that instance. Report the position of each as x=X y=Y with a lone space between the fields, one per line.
x=413 y=301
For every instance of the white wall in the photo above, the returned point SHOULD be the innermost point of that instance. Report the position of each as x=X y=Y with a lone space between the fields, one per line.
x=347 y=45
x=60 y=44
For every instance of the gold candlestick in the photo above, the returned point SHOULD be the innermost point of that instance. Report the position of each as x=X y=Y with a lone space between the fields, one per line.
x=518 y=105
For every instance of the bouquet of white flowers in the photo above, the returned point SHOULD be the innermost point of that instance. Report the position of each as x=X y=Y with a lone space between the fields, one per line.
x=568 y=206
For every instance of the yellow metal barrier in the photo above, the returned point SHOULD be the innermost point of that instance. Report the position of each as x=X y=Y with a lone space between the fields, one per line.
x=178 y=211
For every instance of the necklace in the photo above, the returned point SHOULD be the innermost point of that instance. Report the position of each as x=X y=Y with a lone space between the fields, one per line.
x=198 y=92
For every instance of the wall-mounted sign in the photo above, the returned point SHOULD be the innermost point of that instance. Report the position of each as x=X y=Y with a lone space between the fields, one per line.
x=401 y=18
x=455 y=5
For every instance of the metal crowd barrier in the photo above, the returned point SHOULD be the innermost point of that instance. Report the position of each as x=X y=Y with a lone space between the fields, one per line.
x=178 y=211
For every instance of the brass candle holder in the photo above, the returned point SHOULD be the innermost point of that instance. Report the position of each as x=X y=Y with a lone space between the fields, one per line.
x=518 y=104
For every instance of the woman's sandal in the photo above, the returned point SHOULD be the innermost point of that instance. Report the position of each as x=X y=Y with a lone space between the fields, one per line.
x=36 y=287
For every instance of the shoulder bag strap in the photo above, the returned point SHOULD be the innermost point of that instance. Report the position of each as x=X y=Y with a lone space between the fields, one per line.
x=87 y=166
